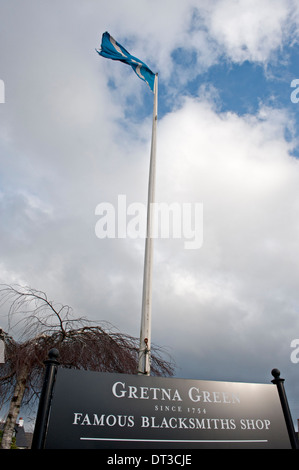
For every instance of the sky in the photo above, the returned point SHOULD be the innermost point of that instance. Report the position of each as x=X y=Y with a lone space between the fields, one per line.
x=75 y=132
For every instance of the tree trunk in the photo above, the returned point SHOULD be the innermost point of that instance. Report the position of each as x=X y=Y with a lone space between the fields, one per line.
x=14 y=409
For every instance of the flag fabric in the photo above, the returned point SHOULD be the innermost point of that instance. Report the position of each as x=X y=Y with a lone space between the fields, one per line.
x=110 y=49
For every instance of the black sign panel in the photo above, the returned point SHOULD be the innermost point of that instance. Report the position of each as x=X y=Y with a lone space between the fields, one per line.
x=92 y=410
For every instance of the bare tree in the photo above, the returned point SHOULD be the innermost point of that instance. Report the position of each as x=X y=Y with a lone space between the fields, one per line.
x=43 y=325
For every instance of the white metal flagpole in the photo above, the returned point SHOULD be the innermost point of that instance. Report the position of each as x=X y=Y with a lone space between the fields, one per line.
x=145 y=329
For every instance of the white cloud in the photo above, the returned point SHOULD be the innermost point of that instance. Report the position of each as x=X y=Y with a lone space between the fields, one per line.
x=243 y=279
x=250 y=30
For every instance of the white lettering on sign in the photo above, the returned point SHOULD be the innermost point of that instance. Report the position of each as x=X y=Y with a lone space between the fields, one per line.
x=121 y=390
x=212 y=397
x=187 y=423
x=110 y=420
x=255 y=424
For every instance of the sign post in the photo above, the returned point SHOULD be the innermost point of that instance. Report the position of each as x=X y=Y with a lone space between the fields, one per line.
x=42 y=418
x=285 y=407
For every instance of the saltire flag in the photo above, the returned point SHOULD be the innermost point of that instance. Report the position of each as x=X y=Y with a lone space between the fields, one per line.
x=113 y=50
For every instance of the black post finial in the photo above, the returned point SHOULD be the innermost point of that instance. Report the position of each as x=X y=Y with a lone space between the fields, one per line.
x=53 y=354
x=276 y=374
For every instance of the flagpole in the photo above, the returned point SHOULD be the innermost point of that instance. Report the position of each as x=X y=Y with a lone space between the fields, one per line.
x=144 y=361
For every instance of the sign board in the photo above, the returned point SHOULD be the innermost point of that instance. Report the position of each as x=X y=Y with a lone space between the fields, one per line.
x=92 y=410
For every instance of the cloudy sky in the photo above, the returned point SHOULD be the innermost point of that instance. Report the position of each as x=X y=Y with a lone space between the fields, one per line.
x=75 y=132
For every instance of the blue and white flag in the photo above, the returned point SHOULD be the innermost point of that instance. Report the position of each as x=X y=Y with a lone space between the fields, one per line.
x=113 y=50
